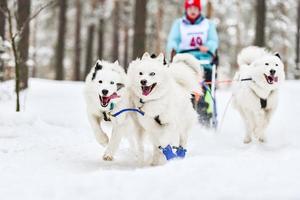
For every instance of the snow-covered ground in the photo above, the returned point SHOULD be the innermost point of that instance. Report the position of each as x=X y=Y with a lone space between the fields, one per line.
x=48 y=152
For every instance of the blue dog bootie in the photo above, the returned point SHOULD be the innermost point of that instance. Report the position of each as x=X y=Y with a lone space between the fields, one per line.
x=180 y=152
x=168 y=152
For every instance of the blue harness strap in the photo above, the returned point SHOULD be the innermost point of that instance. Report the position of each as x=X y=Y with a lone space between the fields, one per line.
x=128 y=110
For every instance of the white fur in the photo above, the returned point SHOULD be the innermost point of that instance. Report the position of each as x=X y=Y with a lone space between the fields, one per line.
x=184 y=75
x=123 y=123
x=254 y=63
x=170 y=100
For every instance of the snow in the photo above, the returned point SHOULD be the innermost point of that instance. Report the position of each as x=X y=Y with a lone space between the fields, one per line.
x=48 y=152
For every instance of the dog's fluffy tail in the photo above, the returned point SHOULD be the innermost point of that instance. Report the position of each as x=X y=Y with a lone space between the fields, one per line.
x=249 y=54
x=187 y=71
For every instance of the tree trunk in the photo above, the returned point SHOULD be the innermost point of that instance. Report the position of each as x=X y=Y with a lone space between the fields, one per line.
x=77 y=63
x=139 y=28
x=298 y=41
x=60 y=46
x=116 y=18
x=101 y=38
x=159 y=27
x=3 y=5
x=126 y=47
x=260 y=23
x=209 y=9
x=238 y=46
x=34 y=44
x=23 y=43
x=89 y=49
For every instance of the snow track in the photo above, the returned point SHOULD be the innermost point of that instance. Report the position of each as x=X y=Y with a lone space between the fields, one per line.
x=48 y=152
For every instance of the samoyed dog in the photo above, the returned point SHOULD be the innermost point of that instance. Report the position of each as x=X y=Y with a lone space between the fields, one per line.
x=256 y=95
x=163 y=93
x=106 y=93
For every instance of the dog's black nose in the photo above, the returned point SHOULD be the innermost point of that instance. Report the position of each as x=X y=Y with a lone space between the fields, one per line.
x=143 y=82
x=104 y=92
x=272 y=71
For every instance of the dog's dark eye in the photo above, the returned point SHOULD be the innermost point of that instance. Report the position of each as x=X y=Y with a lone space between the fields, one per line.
x=141 y=73
x=267 y=64
x=276 y=65
x=112 y=82
x=152 y=74
x=100 y=81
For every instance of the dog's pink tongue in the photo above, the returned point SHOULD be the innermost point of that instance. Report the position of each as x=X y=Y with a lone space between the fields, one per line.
x=146 y=90
x=114 y=96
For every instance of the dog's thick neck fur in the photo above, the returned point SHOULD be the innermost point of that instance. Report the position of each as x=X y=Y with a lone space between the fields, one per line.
x=262 y=93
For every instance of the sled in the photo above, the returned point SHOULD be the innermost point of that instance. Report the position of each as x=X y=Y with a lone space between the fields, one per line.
x=210 y=87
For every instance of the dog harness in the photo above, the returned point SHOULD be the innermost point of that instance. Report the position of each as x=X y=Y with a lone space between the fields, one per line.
x=263 y=103
x=156 y=118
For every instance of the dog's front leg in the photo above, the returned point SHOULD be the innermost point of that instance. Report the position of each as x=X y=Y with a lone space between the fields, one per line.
x=158 y=157
x=265 y=123
x=260 y=124
x=101 y=137
x=140 y=147
x=114 y=143
x=249 y=123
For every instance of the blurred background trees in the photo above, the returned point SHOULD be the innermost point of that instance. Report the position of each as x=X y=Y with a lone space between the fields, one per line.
x=64 y=41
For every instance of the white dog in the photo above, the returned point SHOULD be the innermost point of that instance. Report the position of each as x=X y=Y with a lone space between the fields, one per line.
x=164 y=93
x=256 y=96
x=105 y=94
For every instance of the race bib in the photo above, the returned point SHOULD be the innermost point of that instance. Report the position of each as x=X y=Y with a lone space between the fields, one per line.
x=193 y=36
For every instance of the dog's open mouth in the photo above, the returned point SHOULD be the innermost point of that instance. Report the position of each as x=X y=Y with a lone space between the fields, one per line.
x=147 y=89
x=104 y=100
x=271 y=79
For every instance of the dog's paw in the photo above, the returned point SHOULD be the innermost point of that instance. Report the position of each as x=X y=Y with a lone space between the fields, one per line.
x=108 y=157
x=247 y=140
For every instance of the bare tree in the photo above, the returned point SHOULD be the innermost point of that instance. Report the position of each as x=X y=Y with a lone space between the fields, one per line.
x=60 y=46
x=159 y=26
x=3 y=5
x=209 y=9
x=101 y=30
x=139 y=28
x=116 y=27
x=90 y=40
x=77 y=52
x=260 y=23
x=101 y=27
x=126 y=6
x=23 y=43
x=12 y=38
x=298 y=43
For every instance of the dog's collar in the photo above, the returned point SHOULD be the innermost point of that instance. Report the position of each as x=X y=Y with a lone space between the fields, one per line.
x=107 y=115
x=156 y=119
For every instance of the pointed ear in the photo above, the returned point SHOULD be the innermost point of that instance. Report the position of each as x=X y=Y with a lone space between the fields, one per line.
x=161 y=57
x=116 y=62
x=146 y=55
x=278 y=55
x=98 y=66
x=120 y=86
